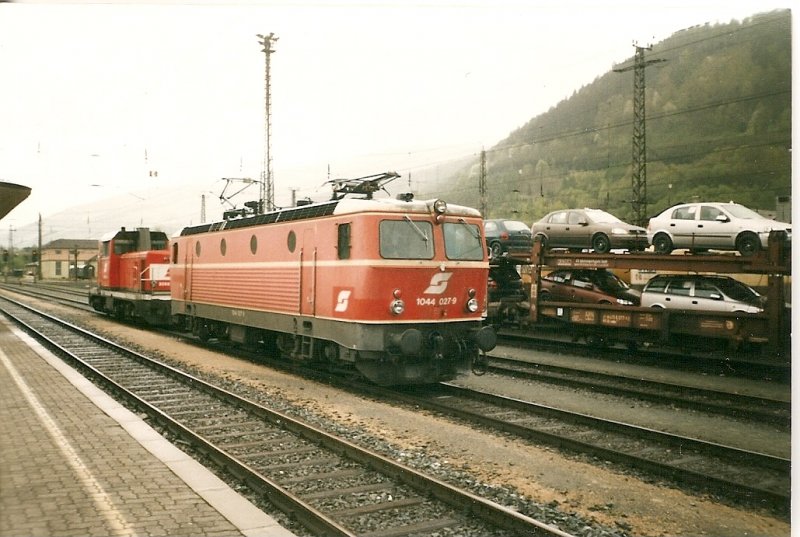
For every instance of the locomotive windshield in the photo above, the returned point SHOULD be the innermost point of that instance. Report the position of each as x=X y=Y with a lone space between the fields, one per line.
x=406 y=239
x=463 y=241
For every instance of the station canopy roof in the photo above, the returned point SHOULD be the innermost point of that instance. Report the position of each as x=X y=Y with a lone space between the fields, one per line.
x=11 y=195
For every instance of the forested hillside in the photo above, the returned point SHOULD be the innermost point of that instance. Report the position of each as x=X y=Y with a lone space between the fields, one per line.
x=718 y=127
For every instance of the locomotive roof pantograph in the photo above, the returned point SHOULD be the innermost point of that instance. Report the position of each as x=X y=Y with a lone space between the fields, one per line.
x=363 y=186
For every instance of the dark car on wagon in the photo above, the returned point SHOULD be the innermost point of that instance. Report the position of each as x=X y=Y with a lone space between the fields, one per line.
x=505 y=236
x=507 y=297
x=593 y=286
x=578 y=229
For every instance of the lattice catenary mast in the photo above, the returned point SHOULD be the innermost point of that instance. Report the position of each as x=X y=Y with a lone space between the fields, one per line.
x=266 y=200
x=639 y=172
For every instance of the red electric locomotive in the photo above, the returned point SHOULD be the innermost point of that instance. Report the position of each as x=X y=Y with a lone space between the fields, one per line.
x=133 y=276
x=395 y=288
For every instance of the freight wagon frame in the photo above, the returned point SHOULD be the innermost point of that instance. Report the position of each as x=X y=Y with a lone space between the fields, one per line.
x=602 y=324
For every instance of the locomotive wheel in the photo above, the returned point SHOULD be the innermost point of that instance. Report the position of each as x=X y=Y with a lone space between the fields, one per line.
x=203 y=333
x=596 y=341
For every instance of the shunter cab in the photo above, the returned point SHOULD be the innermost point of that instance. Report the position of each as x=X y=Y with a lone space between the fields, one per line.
x=133 y=275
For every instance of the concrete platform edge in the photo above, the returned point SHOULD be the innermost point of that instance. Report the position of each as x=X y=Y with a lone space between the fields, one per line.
x=249 y=519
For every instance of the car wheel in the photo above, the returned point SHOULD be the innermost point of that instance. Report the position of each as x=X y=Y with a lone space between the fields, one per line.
x=544 y=296
x=604 y=303
x=495 y=250
x=748 y=244
x=542 y=239
x=662 y=244
x=601 y=244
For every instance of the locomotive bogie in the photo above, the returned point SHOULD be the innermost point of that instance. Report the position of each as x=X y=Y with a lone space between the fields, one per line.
x=124 y=305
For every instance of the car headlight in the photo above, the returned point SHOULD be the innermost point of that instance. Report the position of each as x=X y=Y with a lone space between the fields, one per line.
x=624 y=302
x=397 y=307
x=619 y=231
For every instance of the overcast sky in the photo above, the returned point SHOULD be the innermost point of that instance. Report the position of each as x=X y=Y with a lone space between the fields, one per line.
x=95 y=97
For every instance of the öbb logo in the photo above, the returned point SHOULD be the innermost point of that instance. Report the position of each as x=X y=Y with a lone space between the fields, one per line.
x=343 y=300
x=438 y=283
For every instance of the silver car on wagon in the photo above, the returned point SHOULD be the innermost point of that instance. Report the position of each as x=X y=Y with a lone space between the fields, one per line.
x=701 y=292
x=712 y=226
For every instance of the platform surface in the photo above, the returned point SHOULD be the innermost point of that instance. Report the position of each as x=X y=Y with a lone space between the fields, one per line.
x=74 y=462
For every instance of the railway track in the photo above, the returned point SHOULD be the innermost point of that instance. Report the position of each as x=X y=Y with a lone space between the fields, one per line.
x=735 y=405
x=62 y=294
x=743 y=476
x=330 y=485
x=737 y=474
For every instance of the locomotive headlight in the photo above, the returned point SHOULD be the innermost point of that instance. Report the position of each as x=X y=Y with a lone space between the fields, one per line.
x=472 y=305
x=439 y=206
x=397 y=307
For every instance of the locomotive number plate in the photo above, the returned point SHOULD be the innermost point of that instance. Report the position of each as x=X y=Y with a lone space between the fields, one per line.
x=441 y=301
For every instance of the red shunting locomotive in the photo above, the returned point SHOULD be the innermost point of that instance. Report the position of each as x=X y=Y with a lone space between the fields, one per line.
x=133 y=276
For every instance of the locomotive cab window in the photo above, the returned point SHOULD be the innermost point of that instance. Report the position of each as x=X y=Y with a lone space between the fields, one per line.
x=406 y=239
x=158 y=241
x=463 y=241
x=123 y=246
x=175 y=253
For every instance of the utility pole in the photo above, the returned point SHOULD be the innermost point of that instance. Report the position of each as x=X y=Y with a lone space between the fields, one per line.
x=639 y=161
x=482 y=183
x=39 y=257
x=266 y=200
x=10 y=268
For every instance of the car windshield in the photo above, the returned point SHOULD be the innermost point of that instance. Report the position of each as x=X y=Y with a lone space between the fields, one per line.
x=602 y=217
x=740 y=211
x=504 y=273
x=610 y=281
x=514 y=225
x=737 y=290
